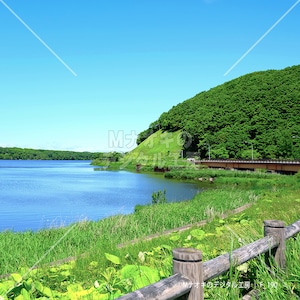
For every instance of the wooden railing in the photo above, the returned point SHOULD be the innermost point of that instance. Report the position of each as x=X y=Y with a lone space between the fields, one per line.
x=257 y=161
x=270 y=165
x=190 y=273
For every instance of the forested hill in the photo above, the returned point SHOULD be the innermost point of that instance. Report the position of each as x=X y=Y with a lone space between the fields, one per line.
x=259 y=110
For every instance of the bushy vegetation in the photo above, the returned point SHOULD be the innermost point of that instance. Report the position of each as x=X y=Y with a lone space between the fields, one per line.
x=259 y=110
x=229 y=176
x=105 y=159
x=159 y=197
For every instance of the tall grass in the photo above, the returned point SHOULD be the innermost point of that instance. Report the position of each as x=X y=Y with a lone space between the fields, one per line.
x=89 y=241
x=194 y=173
x=25 y=248
x=256 y=276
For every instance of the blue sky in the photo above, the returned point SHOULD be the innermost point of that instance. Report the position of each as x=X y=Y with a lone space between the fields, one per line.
x=99 y=72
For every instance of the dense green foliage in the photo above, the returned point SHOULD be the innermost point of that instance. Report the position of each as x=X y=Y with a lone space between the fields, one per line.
x=104 y=159
x=159 y=197
x=258 y=110
x=25 y=153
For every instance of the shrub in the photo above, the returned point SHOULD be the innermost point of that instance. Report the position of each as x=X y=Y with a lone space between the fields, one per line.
x=159 y=197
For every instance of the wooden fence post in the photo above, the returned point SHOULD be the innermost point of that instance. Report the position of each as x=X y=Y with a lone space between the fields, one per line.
x=188 y=262
x=276 y=229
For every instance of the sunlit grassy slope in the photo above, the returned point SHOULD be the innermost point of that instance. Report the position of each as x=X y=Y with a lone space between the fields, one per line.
x=159 y=149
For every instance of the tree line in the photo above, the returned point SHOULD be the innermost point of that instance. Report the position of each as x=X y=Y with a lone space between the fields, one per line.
x=36 y=154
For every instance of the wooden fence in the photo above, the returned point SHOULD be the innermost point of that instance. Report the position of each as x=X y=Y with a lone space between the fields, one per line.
x=190 y=273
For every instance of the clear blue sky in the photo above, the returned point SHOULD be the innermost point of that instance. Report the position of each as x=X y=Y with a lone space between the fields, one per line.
x=119 y=64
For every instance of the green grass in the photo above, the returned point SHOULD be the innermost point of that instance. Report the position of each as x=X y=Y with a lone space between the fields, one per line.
x=196 y=172
x=159 y=144
x=247 y=227
x=26 y=248
x=161 y=149
x=270 y=283
x=272 y=197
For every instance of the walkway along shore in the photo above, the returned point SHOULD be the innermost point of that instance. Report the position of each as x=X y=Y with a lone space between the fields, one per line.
x=150 y=237
x=185 y=227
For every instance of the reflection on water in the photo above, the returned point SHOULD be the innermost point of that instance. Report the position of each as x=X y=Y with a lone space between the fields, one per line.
x=40 y=194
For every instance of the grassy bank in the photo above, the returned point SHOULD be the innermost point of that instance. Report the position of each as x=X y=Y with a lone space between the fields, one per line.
x=103 y=271
x=93 y=236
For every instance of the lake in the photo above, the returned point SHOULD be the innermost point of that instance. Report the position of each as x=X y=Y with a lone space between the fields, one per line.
x=40 y=194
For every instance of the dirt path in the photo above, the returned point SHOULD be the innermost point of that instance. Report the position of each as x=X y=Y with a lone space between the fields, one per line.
x=185 y=227
x=152 y=236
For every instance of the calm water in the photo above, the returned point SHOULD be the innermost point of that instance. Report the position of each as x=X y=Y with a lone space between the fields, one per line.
x=41 y=194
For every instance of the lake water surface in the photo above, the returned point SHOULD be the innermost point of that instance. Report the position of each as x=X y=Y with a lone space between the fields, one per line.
x=41 y=194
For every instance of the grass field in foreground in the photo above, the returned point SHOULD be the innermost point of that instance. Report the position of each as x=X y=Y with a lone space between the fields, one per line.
x=99 y=268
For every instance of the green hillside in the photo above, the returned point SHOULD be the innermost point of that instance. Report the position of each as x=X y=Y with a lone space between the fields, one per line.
x=158 y=149
x=260 y=110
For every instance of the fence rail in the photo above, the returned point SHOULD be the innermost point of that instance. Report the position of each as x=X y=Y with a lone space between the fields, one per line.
x=269 y=165
x=190 y=272
x=257 y=161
